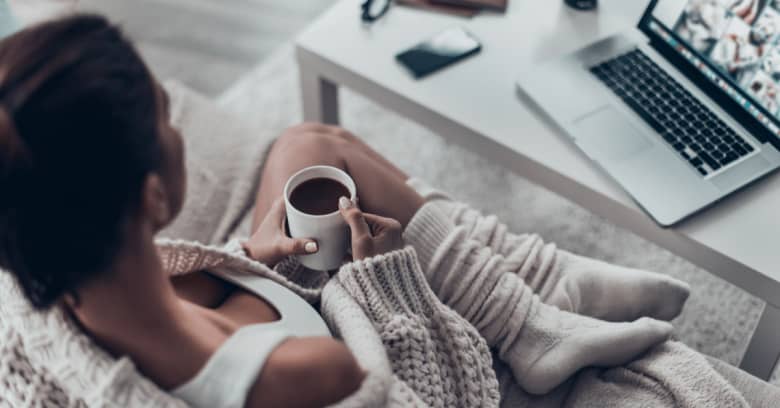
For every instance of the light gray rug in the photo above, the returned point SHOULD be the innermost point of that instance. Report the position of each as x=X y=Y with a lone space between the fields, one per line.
x=717 y=320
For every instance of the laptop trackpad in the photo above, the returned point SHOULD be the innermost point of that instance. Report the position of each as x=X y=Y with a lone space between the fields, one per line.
x=607 y=134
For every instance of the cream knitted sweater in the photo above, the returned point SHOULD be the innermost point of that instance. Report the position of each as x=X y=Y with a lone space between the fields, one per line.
x=422 y=333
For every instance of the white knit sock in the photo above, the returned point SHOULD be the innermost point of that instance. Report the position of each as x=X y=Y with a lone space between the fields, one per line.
x=615 y=293
x=553 y=345
x=570 y=282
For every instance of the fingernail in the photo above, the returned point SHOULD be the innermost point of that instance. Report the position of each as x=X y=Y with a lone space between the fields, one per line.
x=310 y=247
x=344 y=203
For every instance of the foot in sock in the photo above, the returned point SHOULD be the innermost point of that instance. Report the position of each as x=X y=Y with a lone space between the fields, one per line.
x=614 y=293
x=553 y=345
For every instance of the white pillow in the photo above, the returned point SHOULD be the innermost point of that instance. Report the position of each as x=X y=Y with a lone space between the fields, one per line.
x=224 y=157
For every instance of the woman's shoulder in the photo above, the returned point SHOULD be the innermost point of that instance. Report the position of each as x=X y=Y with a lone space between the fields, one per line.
x=313 y=371
x=262 y=365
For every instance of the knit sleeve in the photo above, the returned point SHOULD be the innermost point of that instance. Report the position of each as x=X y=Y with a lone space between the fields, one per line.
x=430 y=347
x=389 y=284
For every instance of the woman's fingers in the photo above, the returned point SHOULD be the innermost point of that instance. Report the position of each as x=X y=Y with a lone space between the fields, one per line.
x=379 y=224
x=371 y=234
x=289 y=246
x=355 y=219
x=270 y=244
x=391 y=223
x=278 y=211
x=297 y=246
x=362 y=240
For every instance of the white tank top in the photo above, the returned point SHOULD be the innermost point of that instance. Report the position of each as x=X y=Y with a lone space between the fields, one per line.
x=230 y=373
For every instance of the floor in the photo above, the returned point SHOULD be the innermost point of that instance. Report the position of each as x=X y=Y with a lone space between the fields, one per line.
x=208 y=44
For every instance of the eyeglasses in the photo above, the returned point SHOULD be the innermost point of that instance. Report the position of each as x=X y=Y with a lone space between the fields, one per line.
x=374 y=10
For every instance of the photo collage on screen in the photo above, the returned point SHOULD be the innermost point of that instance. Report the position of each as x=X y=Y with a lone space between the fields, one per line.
x=741 y=38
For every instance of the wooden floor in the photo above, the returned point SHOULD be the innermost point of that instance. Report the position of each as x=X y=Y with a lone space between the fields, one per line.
x=208 y=44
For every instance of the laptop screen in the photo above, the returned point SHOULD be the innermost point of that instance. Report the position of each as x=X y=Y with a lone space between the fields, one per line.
x=735 y=44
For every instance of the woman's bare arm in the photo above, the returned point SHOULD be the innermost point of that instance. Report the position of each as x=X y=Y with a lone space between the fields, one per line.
x=306 y=372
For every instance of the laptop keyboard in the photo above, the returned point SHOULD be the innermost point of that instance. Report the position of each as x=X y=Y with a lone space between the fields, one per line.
x=687 y=125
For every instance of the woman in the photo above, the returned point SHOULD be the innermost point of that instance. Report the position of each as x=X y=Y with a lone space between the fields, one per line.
x=87 y=153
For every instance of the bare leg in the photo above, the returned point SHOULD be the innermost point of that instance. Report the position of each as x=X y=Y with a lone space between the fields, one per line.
x=380 y=160
x=381 y=186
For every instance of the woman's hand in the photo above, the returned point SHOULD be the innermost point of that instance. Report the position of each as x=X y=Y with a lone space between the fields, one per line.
x=270 y=244
x=371 y=234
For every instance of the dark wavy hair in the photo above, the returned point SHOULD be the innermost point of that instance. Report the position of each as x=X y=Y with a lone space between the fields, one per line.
x=78 y=136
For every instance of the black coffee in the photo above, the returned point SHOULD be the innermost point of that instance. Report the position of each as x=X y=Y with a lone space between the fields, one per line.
x=318 y=196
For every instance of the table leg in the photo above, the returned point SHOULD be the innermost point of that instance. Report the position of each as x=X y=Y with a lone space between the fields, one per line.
x=320 y=98
x=764 y=348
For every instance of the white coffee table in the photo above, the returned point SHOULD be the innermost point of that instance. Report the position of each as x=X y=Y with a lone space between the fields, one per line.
x=475 y=103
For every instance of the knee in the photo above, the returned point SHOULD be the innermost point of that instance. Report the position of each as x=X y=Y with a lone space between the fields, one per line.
x=314 y=135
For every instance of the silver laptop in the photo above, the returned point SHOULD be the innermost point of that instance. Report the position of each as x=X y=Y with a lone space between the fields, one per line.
x=681 y=111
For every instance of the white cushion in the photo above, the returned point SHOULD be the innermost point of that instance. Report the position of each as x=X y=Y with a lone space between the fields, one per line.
x=224 y=157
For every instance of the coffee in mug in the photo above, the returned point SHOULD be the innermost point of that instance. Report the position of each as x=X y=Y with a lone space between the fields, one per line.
x=318 y=196
x=311 y=198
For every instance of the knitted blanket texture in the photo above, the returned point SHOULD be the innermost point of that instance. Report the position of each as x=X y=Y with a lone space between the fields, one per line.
x=420 y=344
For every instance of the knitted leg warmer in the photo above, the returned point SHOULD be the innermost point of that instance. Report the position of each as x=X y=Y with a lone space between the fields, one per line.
x=570 y=282
x=542 y=344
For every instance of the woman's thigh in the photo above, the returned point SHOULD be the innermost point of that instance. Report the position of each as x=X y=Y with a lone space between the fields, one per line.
x=381 y=186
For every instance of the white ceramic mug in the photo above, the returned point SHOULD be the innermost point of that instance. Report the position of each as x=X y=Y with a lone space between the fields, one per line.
x=329 y=230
